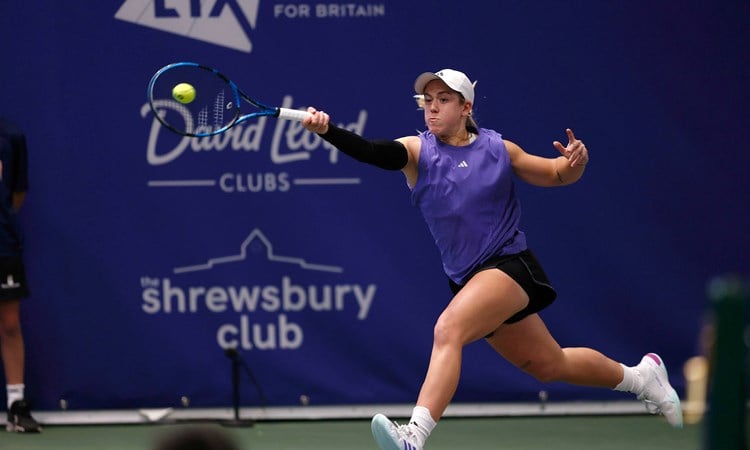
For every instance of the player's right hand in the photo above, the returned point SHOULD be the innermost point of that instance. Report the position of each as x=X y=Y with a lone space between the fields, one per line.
x=317 y=122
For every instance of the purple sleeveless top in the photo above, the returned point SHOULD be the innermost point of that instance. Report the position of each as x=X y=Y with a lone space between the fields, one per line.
x=468 y=199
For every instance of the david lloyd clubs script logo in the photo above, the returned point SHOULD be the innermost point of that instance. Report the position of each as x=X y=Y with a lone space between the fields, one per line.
x=229 y=23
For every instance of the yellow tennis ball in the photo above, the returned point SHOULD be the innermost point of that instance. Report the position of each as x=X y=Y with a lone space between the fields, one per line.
x=184 y=93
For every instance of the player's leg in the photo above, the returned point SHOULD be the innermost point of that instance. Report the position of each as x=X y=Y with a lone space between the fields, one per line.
x=12 y=345
x=489 y=298
x=11 y=341
x=529 y=345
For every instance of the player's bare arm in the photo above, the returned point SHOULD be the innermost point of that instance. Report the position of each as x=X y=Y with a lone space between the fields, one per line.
x=547 y=172
x=410 y=170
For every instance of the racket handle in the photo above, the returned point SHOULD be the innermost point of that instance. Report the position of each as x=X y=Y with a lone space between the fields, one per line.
x=292 y=114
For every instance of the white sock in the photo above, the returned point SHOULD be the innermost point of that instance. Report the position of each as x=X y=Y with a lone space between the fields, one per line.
x=632 y=381
x=15 y=392
x=423 y=424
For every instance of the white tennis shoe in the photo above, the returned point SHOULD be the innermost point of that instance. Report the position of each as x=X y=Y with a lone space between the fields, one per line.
x=658 y=394
x=391 y=436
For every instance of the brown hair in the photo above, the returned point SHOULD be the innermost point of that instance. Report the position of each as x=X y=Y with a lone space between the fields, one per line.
x=471 y=124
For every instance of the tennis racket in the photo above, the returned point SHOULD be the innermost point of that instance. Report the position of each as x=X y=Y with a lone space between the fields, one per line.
x=215 y=104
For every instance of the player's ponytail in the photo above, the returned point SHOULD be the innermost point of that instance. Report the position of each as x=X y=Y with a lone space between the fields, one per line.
x=471 y=125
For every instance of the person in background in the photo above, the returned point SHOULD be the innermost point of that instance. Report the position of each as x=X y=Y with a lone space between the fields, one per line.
x=462 y=180
x=13 y=287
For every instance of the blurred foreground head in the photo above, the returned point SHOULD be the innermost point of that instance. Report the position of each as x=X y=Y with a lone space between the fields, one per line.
x=196 y=438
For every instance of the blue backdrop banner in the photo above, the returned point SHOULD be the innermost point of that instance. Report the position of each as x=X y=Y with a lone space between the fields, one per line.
x=149 y=254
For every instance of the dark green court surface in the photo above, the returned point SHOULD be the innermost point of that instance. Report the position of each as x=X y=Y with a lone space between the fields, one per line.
x=512 y=433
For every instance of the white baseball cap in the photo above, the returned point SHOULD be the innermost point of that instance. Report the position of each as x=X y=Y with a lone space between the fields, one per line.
x=458 y=81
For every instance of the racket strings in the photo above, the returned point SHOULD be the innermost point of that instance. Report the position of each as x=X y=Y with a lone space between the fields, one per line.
x=219 y=109
x=202 y=118
x=212 y=109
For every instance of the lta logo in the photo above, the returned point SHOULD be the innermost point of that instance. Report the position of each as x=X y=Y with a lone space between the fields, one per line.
x=227 y=23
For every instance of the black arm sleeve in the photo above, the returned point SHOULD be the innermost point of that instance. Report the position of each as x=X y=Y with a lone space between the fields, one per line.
x=389 y=155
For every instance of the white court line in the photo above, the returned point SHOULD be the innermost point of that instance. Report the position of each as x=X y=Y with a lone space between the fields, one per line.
x=530 y=409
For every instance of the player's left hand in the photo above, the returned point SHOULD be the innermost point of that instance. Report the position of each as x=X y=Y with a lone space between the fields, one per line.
x=575 y=152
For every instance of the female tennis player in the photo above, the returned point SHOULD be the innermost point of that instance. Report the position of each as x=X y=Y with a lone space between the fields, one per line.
x=461 y=178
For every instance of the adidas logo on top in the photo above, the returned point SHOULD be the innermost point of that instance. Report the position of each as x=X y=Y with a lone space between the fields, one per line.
x=463 y=164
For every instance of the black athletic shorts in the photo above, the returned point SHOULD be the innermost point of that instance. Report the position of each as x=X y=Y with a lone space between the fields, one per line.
x=528 y=273
x=12 y=278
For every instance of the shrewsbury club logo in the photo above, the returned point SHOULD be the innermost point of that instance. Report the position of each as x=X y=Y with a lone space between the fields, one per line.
x=222 y=22
x=263 y=313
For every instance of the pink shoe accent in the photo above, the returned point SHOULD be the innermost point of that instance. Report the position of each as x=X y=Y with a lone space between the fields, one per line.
x=655 y=357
